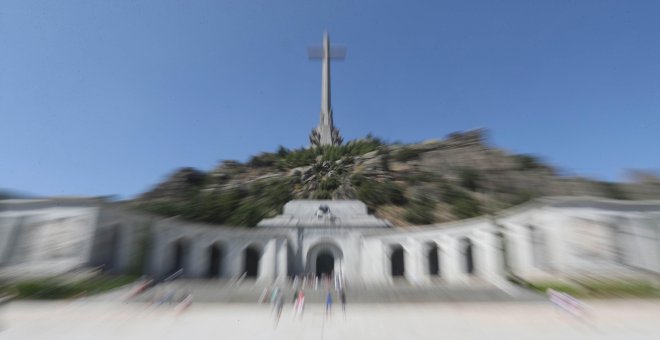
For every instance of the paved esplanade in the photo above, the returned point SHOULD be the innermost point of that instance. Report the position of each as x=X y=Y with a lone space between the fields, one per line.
x=536 y=320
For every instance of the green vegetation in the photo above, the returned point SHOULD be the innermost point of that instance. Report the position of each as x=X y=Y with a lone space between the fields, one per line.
x=288 y=159
x=263 y=160
x=367 y=169
x=466 y=207
x=54 y=288
x=463 y=205
x=375 y=193
x=528 y=162
x=601 y=289
x=611 y=190
x=469 y=178
x=384 y=154
x=329 y=184
x=423 y=177
x=420 y=212
x=236 y=206
x=247 y=204
x=406 y=154
x=522 y=197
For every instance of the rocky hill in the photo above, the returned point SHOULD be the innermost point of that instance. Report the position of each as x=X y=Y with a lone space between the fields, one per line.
x=436 y=181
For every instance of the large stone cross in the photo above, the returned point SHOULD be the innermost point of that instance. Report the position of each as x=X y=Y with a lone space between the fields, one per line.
x=326 y=133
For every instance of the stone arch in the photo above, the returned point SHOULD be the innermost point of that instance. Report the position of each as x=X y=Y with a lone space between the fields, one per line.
x=432 y=254
x=251 y=259
x=397 y=261
x=180 y=255
x=467 y=249
x=215 y=265
x=324 y=258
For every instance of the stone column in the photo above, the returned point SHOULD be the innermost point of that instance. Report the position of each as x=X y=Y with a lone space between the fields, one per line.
x=412 y=262
x=234 y=259
x=520 y=250
x=198 y=259
x=450 y=260
x=374 y=260
x=8 y=236
x=489 y=265
x=281 y=261
x=267 y=263
x=160 y=257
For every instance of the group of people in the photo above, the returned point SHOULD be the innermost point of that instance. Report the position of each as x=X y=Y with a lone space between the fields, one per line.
x=277 y=302
x=276 y=297
x=313 y=281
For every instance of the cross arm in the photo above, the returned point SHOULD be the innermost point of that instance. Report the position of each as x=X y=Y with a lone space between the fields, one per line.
x=337 y=52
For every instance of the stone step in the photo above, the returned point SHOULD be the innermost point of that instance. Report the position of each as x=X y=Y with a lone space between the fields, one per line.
x=247 y=292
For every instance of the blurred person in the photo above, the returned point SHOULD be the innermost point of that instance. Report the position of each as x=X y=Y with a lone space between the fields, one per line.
x=295 y=283
x=342 y=297
x=566 y=302
x=169 y=296
x=295 y=297
x=263 y=295
x=328 y=303
x=185 y=302
x=274 y=296
x=299 y=307
x=279 y=305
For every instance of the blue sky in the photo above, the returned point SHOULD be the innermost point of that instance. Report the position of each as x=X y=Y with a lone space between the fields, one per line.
x=108 y=97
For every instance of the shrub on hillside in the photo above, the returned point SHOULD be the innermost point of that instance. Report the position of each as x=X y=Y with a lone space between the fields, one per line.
x=423 y=177
x=528 y=162
x=469 y=179
x=612 y=190
x=329 y=184
x=462 y=204
x=406 y=154
x=420 y=212
x=375 y=193
x=466 y=207
x=263 y=160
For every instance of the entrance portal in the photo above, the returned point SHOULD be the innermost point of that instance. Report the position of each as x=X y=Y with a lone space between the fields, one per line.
x=180 y=254
x=323 y=258
x=397 y=261
x=251 y=264
x=433 y=260
x=468 y=255
x=325 y=264
x=215 y=261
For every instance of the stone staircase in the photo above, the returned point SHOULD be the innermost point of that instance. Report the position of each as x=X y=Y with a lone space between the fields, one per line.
x=398 y=292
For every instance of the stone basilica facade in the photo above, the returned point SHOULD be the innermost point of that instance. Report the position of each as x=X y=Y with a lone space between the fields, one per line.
x=544 y=239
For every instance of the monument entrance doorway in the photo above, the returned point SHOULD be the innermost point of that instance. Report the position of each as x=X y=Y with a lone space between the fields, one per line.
x=325 y=264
